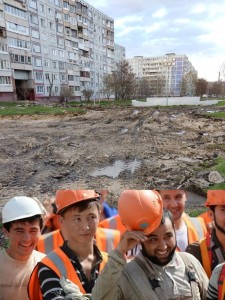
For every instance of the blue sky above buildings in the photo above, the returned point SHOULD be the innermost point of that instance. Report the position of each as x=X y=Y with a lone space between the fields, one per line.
x=157 y=27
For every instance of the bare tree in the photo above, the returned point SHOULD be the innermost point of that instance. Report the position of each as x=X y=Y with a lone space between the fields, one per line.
x=201 y=87
x=108 y=86
x=51 y=80
x=65 y=93
x=188 y=84
x=124 y=80
x=87 y=94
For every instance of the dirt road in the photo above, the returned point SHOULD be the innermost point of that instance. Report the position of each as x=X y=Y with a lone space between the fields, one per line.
x=115 y=148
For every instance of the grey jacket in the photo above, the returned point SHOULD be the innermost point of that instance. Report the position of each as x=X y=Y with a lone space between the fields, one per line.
x=120 y=280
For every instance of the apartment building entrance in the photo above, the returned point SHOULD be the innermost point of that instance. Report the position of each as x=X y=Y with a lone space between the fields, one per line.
x=24 y=85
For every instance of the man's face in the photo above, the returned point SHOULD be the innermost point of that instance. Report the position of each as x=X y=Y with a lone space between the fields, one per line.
x=161 y=244
x=23 y=239
x=174 y=201
x=219 y=218
x=80 y=226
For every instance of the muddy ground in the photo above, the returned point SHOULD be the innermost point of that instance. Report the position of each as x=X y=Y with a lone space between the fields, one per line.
x=116 y=148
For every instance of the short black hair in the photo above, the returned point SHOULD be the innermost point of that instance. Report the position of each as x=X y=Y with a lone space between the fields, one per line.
x=32 y=219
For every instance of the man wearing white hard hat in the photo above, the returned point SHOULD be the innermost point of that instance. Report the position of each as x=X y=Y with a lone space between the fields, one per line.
x=22 y=222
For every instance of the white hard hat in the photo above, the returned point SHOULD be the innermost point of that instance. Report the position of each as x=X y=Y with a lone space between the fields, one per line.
x=21 y=207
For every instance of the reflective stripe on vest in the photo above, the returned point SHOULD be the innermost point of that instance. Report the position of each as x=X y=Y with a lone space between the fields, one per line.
x=113 y=222
x=221 y=284
x=196 y=228
x=50 y=241
x=206 y=254
x=107 y=239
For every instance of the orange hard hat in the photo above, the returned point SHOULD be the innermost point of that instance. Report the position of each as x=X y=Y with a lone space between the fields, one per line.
x=140 y=209
x=215 y=197
x=66 y=198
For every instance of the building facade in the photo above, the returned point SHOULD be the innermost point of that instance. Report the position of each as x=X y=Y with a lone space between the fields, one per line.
x=169 y=69
x=119 y=53
x=49 y=44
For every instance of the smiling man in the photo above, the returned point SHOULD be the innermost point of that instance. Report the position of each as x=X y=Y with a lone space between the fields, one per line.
x=158 y=272
x=188 y=229
x=22 y=222
x=78 y=259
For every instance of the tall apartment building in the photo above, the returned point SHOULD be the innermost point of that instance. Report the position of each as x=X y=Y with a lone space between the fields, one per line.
x=47 y=44
x=119 y=53
x=170 y=67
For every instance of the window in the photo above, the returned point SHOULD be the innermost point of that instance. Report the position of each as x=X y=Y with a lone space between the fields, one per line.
x=40 y=89
x=43 y=23
x=12 y=10
x=57 y=2
x=56 y=89
x=59 y=28
x=35 y=34
x=51 y=25
x=45 y=49
x=77 y=88
x=33 y=4
x=61 y=53
x=3 y=47
x=62 y=77
x=47 y=76
x=4 y=64
x=39 y=75
x=70 y=77
x=54 y=52
x=46 y=63
x=17 y=28
x=41 y=7
x=33 y=19
x=60 y=41
x=5 y=80
x=66 y=17
x=48 y=89
x=36 y=48
x=37 y=62
x=61 y=65
x=54 y=64
x=55 y=76
x=66 y=5
x=21 y=59
x=44 y=36
x=50 y=12
x=52 y=38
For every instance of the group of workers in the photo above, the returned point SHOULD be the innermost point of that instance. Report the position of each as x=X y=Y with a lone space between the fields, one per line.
x=147 y=249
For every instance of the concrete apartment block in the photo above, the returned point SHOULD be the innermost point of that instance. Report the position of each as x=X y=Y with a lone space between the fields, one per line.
x=49 y=44
x=166 y=70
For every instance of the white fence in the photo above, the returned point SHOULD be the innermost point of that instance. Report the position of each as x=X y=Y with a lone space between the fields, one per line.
x=164 y=101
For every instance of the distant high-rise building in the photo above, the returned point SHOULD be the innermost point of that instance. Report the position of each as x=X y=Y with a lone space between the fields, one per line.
x=170 y=68
x=119 y=53
x=47 y=44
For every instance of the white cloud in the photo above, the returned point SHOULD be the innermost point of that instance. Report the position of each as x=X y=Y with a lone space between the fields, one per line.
x=160 y=13
x=193 y=27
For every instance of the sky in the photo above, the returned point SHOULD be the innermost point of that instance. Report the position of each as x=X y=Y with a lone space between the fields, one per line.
x=156 y=27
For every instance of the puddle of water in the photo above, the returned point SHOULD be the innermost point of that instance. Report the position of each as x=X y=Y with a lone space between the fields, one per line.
x=118 y=167
x=212 y=111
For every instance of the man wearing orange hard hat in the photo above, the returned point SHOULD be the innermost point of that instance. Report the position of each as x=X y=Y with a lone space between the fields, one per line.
x=78 y=260
x=210 y=251
x=158 y=272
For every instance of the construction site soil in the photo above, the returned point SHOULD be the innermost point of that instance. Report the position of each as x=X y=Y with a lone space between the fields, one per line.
x=114 y=148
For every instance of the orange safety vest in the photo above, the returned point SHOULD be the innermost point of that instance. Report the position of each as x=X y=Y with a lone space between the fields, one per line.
x=206 y=254
x=113 y=222
x=50 y=241
x=195 y=227
x=60 y=263
x=106 y=240
x=207 y=219
x=221 y=284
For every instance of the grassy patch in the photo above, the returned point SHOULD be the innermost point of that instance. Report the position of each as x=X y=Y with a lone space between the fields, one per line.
x=217 y=114
x=18 y=108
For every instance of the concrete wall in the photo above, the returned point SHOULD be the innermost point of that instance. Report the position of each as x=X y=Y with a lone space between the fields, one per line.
x=164 y=101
